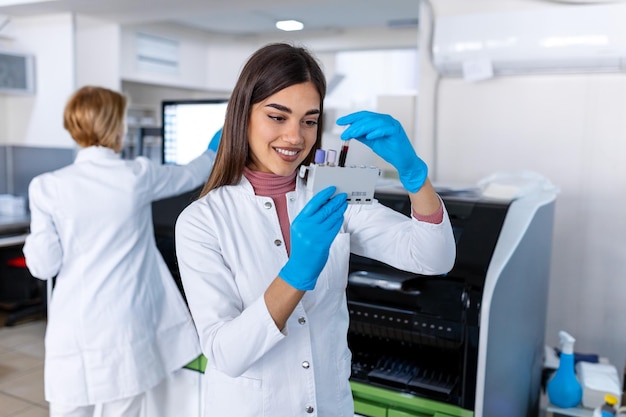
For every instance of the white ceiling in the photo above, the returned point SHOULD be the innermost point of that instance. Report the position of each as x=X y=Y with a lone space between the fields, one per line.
x=236 y=17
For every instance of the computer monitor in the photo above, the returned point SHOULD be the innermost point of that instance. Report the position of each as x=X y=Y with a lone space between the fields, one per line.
x=188 y=126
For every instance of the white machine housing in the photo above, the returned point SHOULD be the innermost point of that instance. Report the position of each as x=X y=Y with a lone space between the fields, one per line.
x=513 y=310
x=564 y=39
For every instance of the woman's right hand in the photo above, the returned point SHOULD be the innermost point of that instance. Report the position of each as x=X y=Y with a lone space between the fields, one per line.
x=312 y=233
x=387 y=138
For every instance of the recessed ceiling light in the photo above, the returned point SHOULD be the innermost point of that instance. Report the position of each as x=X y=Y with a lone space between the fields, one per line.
x=289 y=25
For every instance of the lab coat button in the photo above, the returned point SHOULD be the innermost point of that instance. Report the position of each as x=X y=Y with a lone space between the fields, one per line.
x=306 y=364
x=301 y=320
x=292 y=199
x=277 y=242
x=268 y=205
x=310 y=409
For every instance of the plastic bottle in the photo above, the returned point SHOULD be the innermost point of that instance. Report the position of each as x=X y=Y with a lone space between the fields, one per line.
x=564 y=390
x=608 y=408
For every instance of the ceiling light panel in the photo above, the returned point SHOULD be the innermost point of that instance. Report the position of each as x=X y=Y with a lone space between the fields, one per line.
x=289 y=25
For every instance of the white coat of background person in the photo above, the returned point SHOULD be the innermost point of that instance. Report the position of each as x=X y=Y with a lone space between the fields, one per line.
x=117 y=323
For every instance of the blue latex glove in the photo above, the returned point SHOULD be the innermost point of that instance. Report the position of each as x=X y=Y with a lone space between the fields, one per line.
x=386 y=137
x=312 y=233
x=215 y=140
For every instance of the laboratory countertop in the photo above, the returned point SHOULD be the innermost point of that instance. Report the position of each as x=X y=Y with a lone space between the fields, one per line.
x=13 y=230
x=554 y=411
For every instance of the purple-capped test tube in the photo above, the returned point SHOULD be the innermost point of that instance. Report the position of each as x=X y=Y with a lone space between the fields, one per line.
x=331 y=157
x=320 y=156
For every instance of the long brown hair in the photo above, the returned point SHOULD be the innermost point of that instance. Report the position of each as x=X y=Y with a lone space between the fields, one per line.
x=270 y=69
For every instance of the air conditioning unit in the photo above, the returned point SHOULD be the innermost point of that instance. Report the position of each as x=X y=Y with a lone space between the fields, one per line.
x=559 y=39
x=17 y=73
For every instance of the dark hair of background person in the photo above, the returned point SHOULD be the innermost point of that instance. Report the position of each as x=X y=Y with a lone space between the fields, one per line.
x=272 y=68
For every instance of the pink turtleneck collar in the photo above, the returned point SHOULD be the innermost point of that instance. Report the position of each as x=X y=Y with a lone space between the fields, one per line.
x=268 y=184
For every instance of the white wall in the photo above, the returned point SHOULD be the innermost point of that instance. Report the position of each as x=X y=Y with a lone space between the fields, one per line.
x=4 y=125
x=225 y=60
x=570 y=128
x=382 y=80
x=372 y=72
x=36 y=120
x=69 y=52
x=6 y=44
x=97 y=53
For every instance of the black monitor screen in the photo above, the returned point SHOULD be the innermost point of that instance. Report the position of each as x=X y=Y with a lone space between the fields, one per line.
x=188 y=126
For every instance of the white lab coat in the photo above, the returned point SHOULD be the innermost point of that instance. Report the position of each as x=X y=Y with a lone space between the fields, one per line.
x=118 y=324
x=229 y=248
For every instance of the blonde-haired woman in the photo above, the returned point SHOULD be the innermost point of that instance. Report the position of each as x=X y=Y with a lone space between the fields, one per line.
x=117 y=323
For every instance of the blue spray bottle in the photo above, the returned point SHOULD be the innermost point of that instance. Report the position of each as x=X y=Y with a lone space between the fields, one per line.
x=564 y=390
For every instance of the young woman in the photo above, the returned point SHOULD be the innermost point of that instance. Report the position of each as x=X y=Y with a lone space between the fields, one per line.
x=117 y=323
x=265 y=271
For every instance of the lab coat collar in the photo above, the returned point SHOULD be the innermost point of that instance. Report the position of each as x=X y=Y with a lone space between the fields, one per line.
x=91 y=153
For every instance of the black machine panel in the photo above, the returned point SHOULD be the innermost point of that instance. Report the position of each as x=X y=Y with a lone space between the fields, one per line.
x=419 y=334
x=164 y=215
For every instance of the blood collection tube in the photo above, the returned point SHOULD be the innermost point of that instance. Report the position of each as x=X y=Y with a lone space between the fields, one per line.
x=320 y=156
x=331 y=156
x=343 y=154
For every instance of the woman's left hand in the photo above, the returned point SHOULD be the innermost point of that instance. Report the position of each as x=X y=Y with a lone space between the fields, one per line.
x=386 y=137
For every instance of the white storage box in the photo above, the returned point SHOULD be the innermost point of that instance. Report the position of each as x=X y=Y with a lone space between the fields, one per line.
x=12 y=206
x=597 y=380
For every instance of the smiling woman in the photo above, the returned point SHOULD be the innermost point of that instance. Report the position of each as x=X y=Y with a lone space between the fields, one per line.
x=265 y=266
